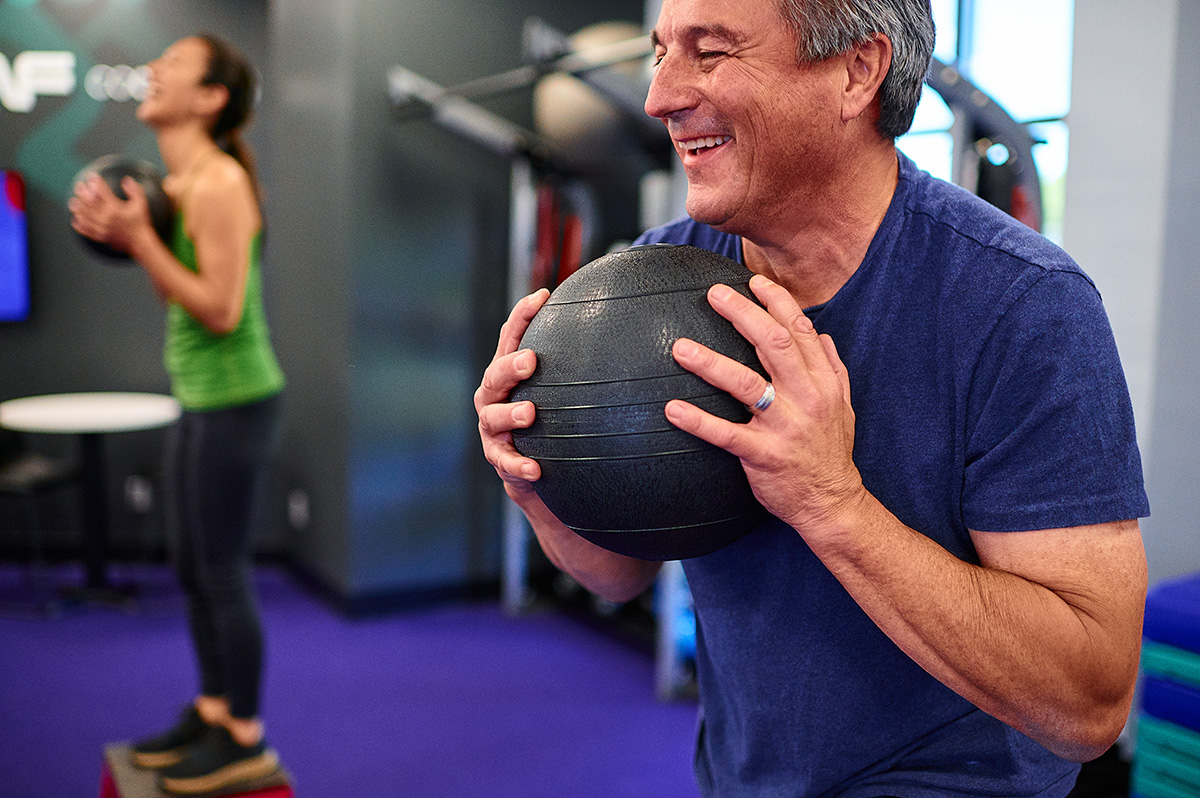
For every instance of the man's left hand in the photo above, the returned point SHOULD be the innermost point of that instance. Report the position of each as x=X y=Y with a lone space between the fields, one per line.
x=797 y=453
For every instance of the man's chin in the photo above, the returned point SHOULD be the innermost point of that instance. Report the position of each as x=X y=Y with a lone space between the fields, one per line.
x=707 y=213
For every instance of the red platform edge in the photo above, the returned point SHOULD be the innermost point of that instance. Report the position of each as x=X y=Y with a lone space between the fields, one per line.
x=108 y=788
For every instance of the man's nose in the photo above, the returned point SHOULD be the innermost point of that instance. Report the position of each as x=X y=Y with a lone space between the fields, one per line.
x=670 y=89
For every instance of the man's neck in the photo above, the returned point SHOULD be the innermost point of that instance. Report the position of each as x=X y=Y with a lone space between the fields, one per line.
x=819 y=251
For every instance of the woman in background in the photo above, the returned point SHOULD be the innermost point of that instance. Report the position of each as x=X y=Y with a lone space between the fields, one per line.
x=224 y=373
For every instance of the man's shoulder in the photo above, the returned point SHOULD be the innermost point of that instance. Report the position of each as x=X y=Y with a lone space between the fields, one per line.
x=951 y=218
x=941 y=247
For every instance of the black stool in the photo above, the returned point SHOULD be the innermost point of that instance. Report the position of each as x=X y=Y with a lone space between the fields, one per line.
x=26 y=477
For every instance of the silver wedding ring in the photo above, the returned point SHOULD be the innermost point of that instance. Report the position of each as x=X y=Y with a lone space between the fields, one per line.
x=765 y=401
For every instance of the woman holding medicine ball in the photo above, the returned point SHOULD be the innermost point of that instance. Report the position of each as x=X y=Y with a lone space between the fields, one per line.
x=225 y=375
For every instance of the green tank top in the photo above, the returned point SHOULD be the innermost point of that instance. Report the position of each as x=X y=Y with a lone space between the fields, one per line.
x=210 y=371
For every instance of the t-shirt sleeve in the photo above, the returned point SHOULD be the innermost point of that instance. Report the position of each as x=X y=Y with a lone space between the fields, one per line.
x=1050 y=439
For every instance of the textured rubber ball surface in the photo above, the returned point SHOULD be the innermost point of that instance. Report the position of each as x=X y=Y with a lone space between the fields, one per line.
x=614 y=469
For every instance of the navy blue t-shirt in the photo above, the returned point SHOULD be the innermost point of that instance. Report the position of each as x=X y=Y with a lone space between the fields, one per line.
x=988 y=395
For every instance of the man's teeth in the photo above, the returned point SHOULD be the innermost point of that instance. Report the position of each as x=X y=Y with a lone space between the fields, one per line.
x=710 y=141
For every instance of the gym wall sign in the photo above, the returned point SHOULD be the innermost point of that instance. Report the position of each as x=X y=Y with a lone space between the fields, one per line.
x=51 y=73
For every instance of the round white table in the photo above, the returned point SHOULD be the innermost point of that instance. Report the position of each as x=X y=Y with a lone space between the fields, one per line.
x=86 y=413
x=90 y=416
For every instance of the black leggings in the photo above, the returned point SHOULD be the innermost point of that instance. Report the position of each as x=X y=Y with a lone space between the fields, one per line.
x=216 y=470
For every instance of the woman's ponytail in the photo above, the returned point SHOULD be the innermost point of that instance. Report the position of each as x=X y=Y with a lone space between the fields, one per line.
x=228 y=67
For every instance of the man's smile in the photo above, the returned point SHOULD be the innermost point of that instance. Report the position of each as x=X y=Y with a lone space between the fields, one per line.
x=703 y=144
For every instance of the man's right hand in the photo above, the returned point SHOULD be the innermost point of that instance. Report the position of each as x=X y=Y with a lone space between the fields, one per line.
x=613 y=576
x=497 y=416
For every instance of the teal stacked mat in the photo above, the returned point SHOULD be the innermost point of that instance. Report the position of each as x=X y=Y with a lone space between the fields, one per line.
x=1167 y=759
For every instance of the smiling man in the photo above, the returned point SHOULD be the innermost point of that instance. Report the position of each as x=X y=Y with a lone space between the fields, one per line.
x=947 y=598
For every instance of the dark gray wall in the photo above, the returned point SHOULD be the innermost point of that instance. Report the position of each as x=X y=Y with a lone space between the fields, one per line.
x=394 y=239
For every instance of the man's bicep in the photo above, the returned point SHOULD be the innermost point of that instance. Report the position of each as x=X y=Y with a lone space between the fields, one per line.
x=1099 y=569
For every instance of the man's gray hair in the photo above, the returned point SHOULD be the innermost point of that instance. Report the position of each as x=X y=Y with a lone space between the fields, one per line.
x=825 y=28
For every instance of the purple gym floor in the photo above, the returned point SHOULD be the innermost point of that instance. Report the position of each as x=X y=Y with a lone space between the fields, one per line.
x=457 y=700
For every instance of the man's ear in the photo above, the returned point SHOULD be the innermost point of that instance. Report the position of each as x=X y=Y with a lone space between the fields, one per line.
x=867 y=65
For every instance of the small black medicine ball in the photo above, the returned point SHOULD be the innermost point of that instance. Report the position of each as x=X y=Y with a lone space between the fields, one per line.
x=112 y=169
x=614 y=470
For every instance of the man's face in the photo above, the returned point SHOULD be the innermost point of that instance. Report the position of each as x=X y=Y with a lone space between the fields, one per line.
x=753 y=129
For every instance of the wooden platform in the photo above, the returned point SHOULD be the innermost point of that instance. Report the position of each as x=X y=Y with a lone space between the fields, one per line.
x=120 y=779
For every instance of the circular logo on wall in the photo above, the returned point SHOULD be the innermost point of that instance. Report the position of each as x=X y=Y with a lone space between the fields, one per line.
x=118 y=83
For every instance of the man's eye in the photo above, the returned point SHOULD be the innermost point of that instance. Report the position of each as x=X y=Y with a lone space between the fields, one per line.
x=708 y=54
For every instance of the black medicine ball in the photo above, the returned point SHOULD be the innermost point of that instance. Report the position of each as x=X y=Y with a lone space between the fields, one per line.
x=112 y=169
x=614 y=470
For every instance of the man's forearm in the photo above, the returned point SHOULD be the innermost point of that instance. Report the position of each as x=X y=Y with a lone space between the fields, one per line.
x=605 y=573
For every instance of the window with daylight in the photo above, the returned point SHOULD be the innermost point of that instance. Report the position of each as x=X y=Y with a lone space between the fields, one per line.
x=1018 y=52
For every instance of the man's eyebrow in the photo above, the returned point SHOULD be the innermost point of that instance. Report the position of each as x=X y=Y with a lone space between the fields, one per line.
x=694 y=32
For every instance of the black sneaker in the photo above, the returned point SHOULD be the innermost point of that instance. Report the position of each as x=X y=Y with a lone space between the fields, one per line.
x=169 y=748
x=218 y=761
